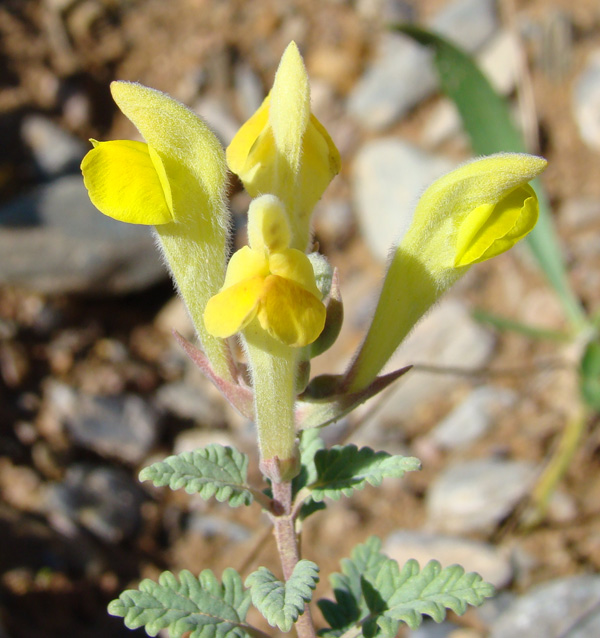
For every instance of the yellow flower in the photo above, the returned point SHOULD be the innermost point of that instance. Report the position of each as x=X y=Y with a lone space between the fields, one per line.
x=268 y=282
x=175 y=181
x=473 y=213
x=284 y=150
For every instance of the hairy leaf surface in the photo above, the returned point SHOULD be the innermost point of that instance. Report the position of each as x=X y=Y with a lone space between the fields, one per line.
x=203 y=606
x=281 y=603
x=215 y=470
x=373 y=593
x=341 y=470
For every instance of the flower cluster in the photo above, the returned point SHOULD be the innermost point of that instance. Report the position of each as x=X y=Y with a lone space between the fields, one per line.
x=267 y=292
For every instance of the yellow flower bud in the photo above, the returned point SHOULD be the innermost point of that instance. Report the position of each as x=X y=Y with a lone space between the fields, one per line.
x=284 y=150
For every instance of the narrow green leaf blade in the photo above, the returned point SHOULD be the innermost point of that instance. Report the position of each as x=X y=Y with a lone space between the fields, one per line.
x=215 y=470
x=203 y=606
x=488 y=122
x=505 y=324
x=341 y=470
x=281 y=603
x=589 y=374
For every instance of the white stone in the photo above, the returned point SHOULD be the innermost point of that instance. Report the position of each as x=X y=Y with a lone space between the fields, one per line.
x=474 y=496
x=388 y=177
x=402 y=75
x=587 y=102
x=474 y=556
x=567 y=607
x=472 y=418
x=443 y=123
x=446 y=337
x=501 y=61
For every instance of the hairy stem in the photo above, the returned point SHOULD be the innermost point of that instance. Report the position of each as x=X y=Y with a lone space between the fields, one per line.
x=288 y=546
x=274 y=368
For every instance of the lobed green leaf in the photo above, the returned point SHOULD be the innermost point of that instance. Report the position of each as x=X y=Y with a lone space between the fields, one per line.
x=373 y=593
x=215 y=470
x=343 y=469
x=203 y=606
x=281 y=603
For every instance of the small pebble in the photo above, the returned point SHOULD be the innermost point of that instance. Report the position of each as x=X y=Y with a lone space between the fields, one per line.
x=103 y=500
x=123 y=427
x=474 y=496
x=586 y=101
x=446 y=337
x=389 y=175
x=475 y=556
x=564 y=607
x=472 y=418
x=54 y=150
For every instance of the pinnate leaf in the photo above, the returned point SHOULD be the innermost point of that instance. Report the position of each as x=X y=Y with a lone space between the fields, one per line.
x=281 y=603
x=215 y=470
x=340 y=470
x=374 y=593
x=432 y=590
x=350 y=606
x=203 y=606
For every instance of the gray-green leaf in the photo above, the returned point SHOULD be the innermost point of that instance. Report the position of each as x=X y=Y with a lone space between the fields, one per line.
x=281 y=603
x=433 y=590
x=373 y=593
x=202 y=606
x=215 y=470
x=340 y=470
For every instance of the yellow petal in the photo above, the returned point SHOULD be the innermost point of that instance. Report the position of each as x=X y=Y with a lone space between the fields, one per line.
x=245 y=264
x=123 y=183
x=294 y=265
x=491 y=230
x=233 y=309
x=242 y=145
x=268 y=228
x=289 y=313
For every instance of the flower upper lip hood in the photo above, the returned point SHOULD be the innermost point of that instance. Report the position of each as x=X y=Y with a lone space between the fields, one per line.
x=174 y=182
x=178 y=171
x=284 y=150
x=268 y=282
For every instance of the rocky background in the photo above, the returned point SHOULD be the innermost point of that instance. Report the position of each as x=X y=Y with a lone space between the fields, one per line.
x=92 y=386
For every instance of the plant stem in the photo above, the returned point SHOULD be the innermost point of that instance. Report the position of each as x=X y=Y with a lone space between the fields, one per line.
x=288 y=546
x=274 y=368
x=557 y=466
